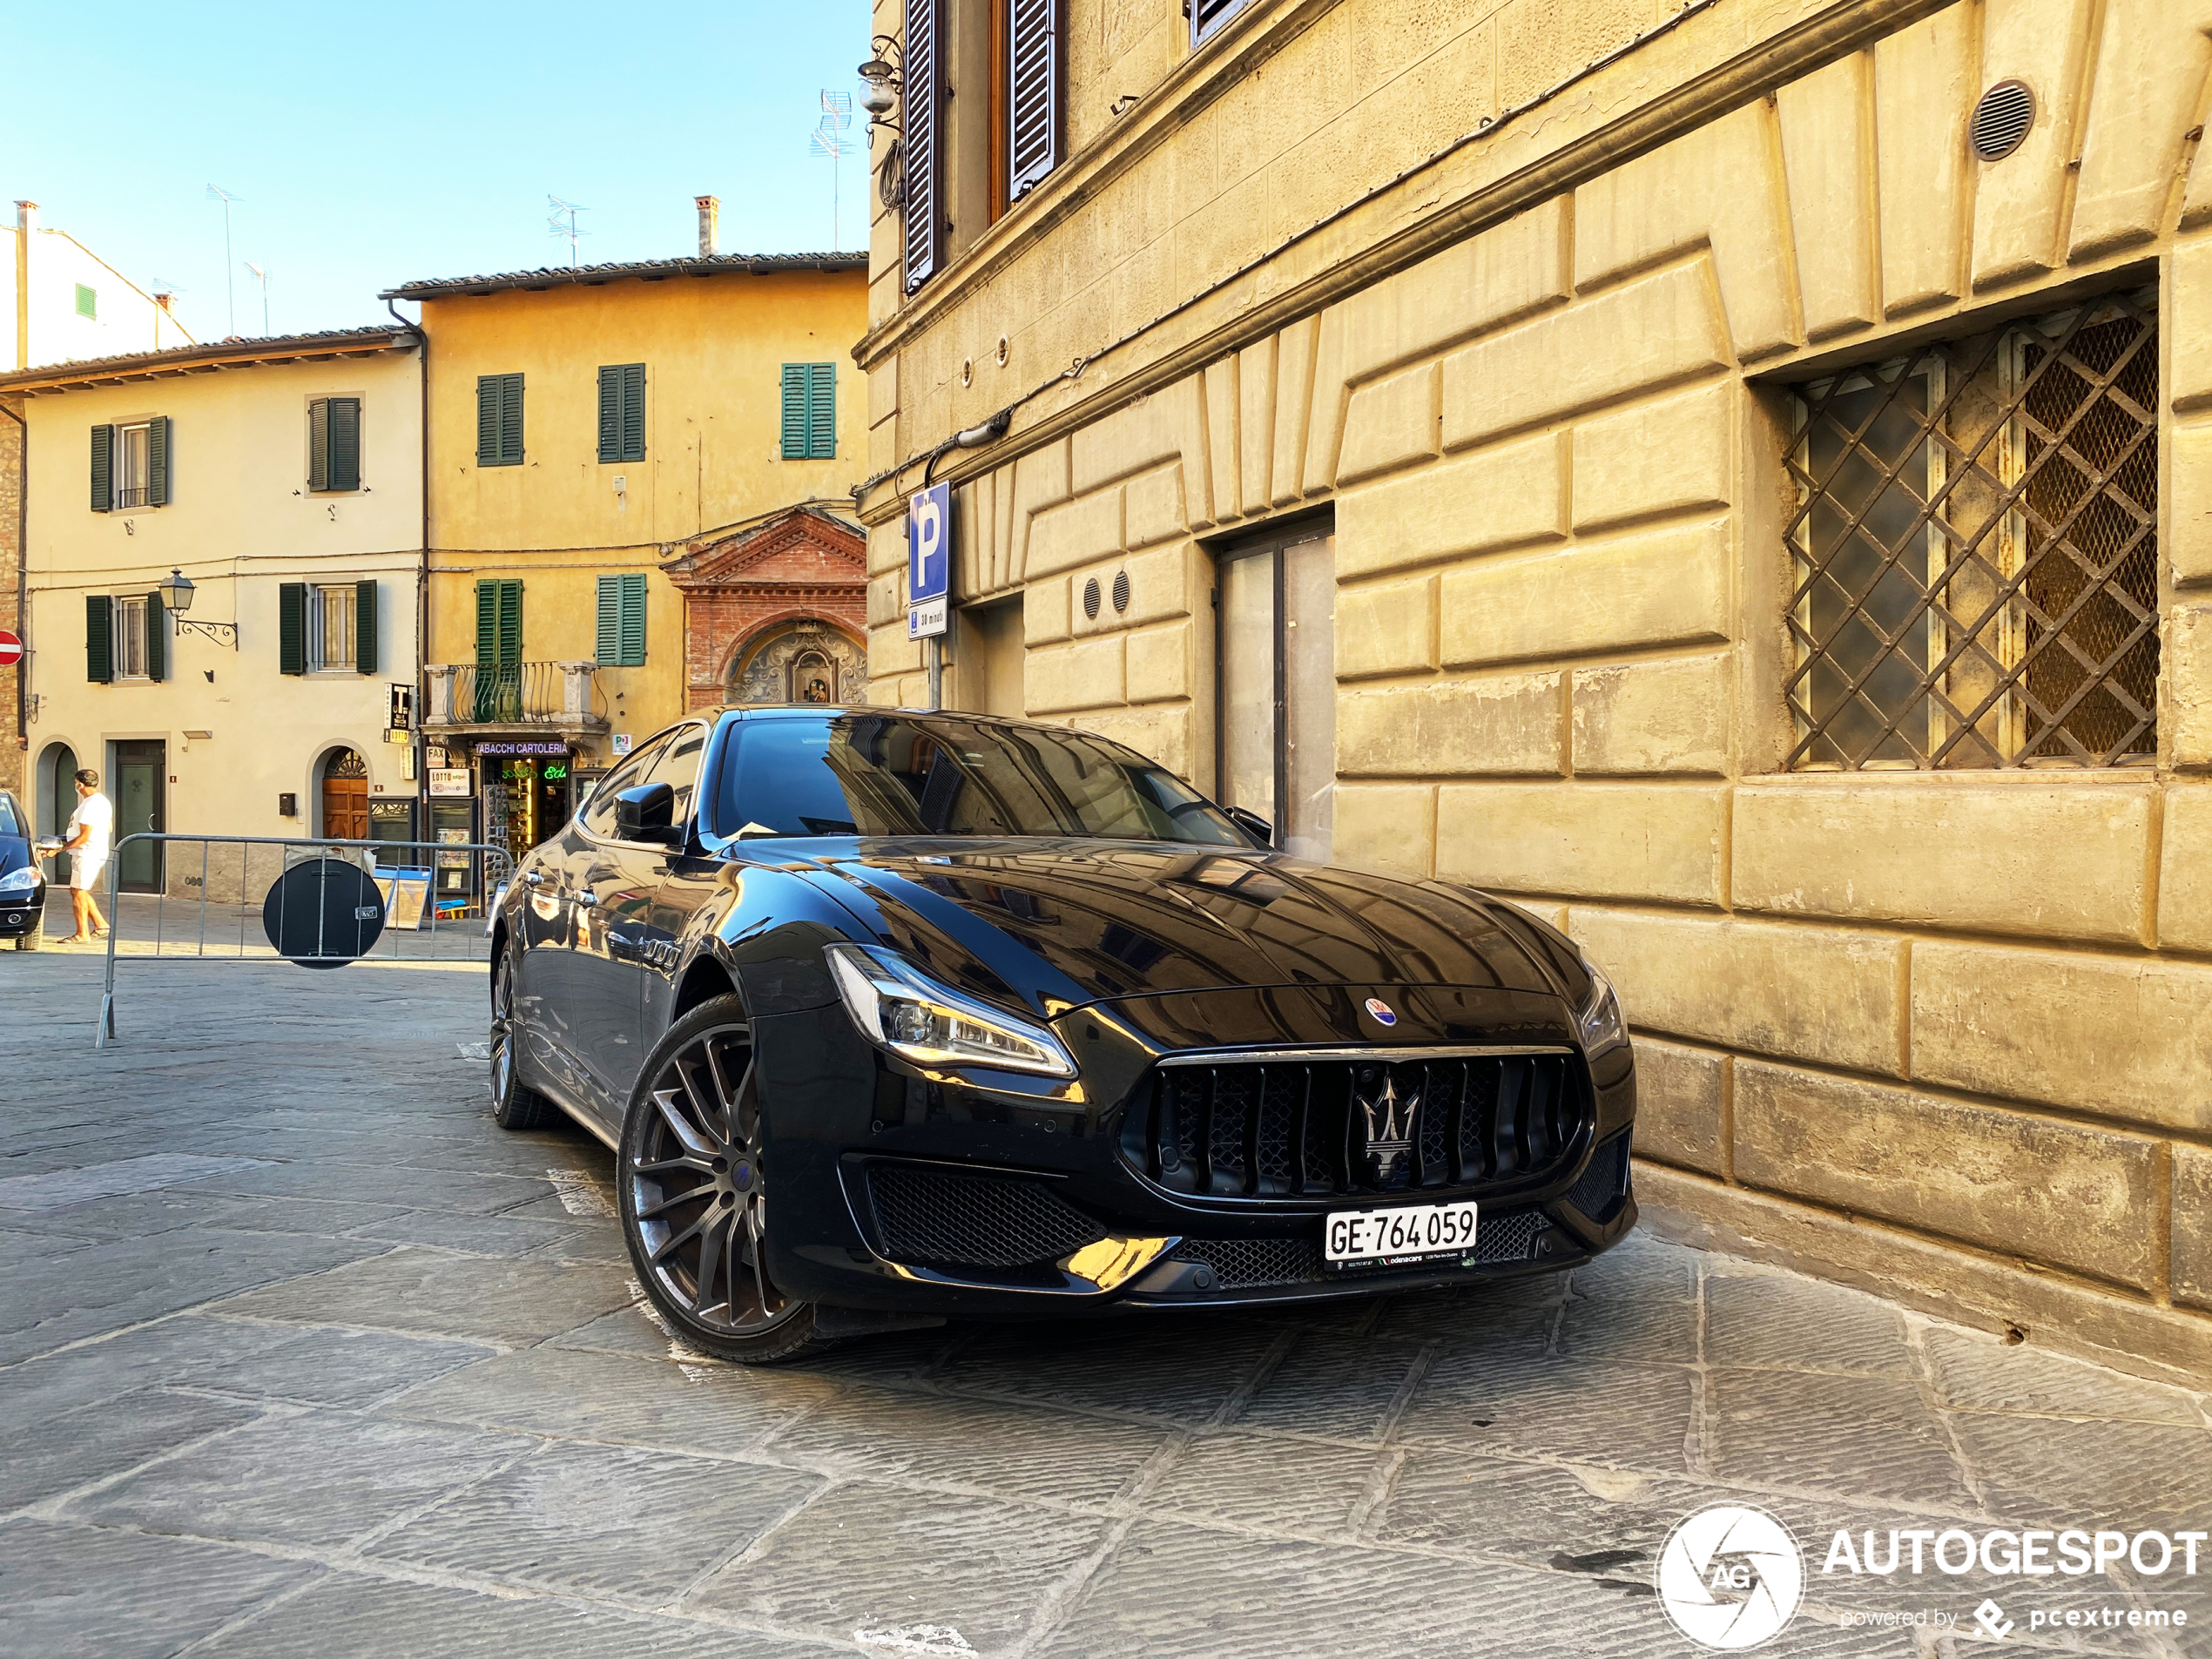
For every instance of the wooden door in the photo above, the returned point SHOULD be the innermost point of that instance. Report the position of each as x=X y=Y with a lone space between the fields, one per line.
x=345 y=798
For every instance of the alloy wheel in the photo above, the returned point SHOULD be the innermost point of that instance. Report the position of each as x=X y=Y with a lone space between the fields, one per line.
x=697 y=1187
x=502 y=1029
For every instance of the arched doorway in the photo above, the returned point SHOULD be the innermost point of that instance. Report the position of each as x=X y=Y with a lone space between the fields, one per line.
x=345 y=796
x=56 y=788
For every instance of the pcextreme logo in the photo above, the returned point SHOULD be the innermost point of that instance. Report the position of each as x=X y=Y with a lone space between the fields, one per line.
x=1730 y=1577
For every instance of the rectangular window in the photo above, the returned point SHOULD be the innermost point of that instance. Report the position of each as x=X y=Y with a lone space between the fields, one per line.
x=499 y=419
x=1976 y=553
x=133 y=449
x=1275 y=710
x=129 y=635
x=88 y=302
x=622 y=412
x=622 y=620
x=330 y=627
x=1206 y=15
x=334 y=444
x=810 y=411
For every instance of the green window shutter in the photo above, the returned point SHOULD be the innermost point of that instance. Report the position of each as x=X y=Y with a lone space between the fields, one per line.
x=99 y=641
x=795 y=384
x=510 y=622
x=511 y=421
x=609 y=414
x=609 y=649
x=159 y=446
x=633 y=620
x=365 y=626
x=633 y=411
x=157 y=639
x=103 y=472
x=318 y=443
x=88 y=302
x=292 y=628
x=488 y=420
x=821 y=411
x=344 y=462
x=486 y=623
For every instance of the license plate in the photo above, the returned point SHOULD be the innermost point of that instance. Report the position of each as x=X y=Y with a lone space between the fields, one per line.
x=1406 y=1233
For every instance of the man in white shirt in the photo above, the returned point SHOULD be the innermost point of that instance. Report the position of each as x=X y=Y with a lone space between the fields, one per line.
x=90 y=836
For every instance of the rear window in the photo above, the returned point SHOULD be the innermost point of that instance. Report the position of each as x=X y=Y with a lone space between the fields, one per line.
x=886 y=774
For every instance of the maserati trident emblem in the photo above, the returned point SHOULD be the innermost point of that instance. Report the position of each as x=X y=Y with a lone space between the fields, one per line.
x=1389 y=1130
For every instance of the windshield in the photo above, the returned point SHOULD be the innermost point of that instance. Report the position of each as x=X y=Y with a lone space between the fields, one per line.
x=888 y=774
x=9 y=823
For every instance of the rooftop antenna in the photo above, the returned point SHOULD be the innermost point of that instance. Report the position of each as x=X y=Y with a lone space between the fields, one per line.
x=828 y=139
x=562 y=222
x=261 y=276
x=216 y=193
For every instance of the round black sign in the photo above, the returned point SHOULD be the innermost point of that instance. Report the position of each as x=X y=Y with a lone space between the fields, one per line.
x=323 y=913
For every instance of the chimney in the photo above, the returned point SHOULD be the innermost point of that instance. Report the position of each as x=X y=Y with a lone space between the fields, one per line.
x=26 y=222
x=164 y=299
x=709 y=213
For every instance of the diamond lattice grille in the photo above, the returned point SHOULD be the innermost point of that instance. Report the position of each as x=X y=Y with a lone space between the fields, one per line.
x=1976 y=553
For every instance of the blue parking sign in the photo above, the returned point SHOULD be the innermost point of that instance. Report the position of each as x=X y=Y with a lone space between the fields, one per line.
x=929 y=521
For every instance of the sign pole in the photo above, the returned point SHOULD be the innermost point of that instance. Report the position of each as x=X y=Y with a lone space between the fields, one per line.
x=936 y=659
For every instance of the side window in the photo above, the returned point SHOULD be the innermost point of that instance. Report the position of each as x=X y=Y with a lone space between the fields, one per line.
x=678 y=765
x=599 y=816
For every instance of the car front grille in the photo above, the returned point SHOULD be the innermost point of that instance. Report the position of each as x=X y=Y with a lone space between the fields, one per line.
x=1246 y=1264
x=933 y=1218
x=1601 y=1189
x=1343 y=1127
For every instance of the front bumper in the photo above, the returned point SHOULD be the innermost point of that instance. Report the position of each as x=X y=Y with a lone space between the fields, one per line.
x=21 y=912
x=898 y=1190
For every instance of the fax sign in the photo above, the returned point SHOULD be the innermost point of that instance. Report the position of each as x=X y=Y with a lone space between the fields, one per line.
x=929 y=522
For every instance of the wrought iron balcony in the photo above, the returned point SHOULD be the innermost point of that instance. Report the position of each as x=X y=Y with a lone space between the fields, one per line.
x=561 y=697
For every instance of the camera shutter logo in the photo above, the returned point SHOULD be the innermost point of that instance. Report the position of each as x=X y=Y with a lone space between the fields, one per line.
x=1730 y=1577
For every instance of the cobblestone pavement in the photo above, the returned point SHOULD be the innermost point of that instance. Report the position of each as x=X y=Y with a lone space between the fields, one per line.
x=301 y=1355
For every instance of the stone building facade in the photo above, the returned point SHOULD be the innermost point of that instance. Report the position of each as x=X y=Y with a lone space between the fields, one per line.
x=1742 y=474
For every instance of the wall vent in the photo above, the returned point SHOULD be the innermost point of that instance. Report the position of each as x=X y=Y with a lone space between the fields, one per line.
x=2001 y=120
x=1121 y=590
x=1091 y=598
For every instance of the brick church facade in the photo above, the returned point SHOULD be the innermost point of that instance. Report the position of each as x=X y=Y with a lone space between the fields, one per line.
x=776 y=613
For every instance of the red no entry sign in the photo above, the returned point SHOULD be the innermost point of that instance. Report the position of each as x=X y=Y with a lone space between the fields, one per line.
x=10 y=649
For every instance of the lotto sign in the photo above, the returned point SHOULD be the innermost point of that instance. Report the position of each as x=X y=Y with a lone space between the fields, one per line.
x=929 y=519
x=10 y=649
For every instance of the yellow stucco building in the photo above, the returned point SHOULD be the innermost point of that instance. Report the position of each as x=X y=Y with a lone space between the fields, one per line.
x=588 y=427
x=1729 y=478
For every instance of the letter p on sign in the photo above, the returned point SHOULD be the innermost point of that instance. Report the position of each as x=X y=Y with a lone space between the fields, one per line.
x=929 y=521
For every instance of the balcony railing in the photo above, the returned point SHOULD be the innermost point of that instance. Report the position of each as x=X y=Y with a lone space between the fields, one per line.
x=561 y=695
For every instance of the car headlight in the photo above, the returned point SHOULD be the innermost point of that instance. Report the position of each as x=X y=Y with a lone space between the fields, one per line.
x=20 y=880
x=899 y=1008
x=1600 y=1023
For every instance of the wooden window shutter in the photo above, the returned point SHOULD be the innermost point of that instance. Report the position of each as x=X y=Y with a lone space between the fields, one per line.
x=103 y=475
x=344 y=464
x=924 y=231
x=99 y=637
x=365 y=626
x=821 y=411
x=610 y=415
x=511 y=421
x=632 y=642
x=1208 y=15
x=633 y=411
x=488 y=420
x=292 y=628
x=499 y=419
x=608 y=651
x=318 y=443
x=157 y=638
x=510 y=621
x=1036 y=92
x=795 y=385
x=159 y=453
x=487 y=624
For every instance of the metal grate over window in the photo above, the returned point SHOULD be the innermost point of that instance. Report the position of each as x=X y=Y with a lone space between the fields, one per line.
x=1976 y=553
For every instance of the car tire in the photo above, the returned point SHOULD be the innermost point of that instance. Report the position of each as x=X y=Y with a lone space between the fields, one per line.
x=514 y=1105
x=693 y=1195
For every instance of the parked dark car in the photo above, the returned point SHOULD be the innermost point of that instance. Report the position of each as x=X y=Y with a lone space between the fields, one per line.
x=23 y=883
x=1010 y=1021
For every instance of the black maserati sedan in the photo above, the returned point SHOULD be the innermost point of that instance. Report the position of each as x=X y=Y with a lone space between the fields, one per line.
x=892 y=1016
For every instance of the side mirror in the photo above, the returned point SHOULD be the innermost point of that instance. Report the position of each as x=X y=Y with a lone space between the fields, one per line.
x=1252 y=824
x=644 y=814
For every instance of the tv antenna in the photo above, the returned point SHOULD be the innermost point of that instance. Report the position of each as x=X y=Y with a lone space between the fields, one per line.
x=261 y=276
x=216 y=193
x=562 y=222
x=828 y=139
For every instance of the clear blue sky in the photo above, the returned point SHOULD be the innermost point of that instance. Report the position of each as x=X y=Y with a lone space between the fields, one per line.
x=371 y=146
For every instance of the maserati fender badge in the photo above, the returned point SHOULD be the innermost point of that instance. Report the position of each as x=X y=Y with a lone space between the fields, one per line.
x=1381 y=1010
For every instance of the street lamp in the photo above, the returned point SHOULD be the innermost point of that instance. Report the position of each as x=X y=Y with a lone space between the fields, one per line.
x=884 y=84
x=176 y=593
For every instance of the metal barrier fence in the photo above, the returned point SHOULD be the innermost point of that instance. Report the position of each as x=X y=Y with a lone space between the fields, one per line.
x=350 y=901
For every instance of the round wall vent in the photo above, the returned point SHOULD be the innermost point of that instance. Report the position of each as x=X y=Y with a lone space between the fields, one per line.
x=2001 y=120
x=1091 y=598
x=1121 y=590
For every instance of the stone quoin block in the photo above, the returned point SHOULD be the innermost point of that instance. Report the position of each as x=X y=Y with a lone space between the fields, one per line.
x=2189 y=503
x=1389 y=630
x=1499 y=498
x=1391 y=827
x=1159 y=663
x=1152 y=507
x=1597 y=840
x=1076 y=533
x=1670 y=715
x=2192 y=1271
x=1391 y=423
x=1679 y=1095
x=1819 y=993
x=1661 y=588
x=1044 y=611
x=2185 y=666
x=2185 y=870
x=2052 y=1192
x=1663 y=457
x=1506 y=723
x=1085 y=675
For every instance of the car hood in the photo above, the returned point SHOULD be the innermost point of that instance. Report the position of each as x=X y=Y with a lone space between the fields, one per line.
x=1059 y=924
x=15 y=852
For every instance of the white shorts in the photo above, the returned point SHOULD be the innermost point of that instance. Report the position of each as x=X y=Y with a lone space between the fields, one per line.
x=87 y=875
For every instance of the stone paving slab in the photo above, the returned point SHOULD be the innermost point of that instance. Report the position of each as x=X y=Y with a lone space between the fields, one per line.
x=389 y=1389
